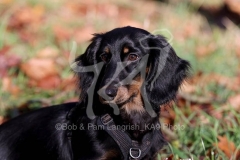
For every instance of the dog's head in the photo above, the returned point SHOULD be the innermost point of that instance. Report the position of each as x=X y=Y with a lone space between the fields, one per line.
x=131 y=67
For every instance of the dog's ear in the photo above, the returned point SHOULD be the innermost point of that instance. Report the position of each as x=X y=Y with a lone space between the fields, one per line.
x=85 y=67
x=166 y=71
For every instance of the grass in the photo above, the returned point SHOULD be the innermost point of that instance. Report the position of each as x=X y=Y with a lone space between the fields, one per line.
x=199 y=138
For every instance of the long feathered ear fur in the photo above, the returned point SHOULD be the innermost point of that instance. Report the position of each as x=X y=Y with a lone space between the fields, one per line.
x=85 y=60
x=167 y=71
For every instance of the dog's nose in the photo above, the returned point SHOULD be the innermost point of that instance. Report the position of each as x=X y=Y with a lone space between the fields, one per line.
x=111 y=91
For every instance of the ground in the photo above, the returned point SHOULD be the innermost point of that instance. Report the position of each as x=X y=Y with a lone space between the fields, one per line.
x=202 y=124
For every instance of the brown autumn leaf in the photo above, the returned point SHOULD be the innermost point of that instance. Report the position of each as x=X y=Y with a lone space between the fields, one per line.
x=77 y=7
x=28 y=36
x=216 y=114
x=2 y=120
x=188 y=88
x=4 y=50
x=189 y=30
x=226 y=146
x=74 y=99
x=69 y=84
x=62 y=33
x=231 y=83
x=205 y=50
x=26 y=16
x=3 y=61
x=121 y=15
x=238 y=154
x=13 y=61
x=235 y=101
x=38 y=69
x=83 y=34
x=5 y=2
x=49 y=82
x=8 y=86
x=237 y=45
x=48 y=52
x=125 y=21
x=82 y=7
x=7 y=61
x=171 y=157
x=233 y=5
x=168 y=115
x=104 y=9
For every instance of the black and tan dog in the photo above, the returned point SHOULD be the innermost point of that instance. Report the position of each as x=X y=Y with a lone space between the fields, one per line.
x=125 y=75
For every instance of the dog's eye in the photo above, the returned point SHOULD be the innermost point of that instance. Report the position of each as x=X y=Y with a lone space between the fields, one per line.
x=132 y=57
x=105 y=57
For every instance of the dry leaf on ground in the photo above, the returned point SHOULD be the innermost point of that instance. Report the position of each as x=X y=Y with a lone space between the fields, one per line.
x=8 y=86
x=26 y=16
x=61 y=33
x=69 y=84
x=205 y=50
x=49 y=82
x=48 y=52
x=234 y=5
x=7 y=61
x=38 y=69
x=83 y=34
x=226 y=146
x=235 y=101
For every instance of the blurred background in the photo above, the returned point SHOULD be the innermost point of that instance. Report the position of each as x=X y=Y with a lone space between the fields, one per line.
x=36 y=38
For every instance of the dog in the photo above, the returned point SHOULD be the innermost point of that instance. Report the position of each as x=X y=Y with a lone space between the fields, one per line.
x=125 y=76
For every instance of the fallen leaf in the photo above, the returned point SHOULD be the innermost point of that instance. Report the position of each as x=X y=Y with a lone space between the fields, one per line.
x=205 y=50
x=78 y=7
x=168 y=115
x=8 y=86
x=39 y=68
x=26 y=16
x=83 y=34
x=1 y=120
x=74 y=99
x=216 y=114
x=69 y=84
x=4 y=50
x=238 y=154
x=124 y=21
x=171 y=157
x=231 y=83
x=189 y=30
x=100 y=9
x=49 y=82
x=235 y=101
x=237 y=45
x=234 y=5
x=7 y=61
x=28 y=36
x=6 y=2
x=226 y=146
x=48 y=52
x=188 y=88
x=13 y=61
x=3 y=66
x=62 y=33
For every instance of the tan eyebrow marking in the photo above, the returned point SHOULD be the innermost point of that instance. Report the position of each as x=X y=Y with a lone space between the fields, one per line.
x=106 y=50
x=125 y=50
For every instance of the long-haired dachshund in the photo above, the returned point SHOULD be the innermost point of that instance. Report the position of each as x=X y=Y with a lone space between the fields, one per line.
x=125 y=76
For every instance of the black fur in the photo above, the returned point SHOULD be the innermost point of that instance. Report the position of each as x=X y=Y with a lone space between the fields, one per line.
x=34 y=136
